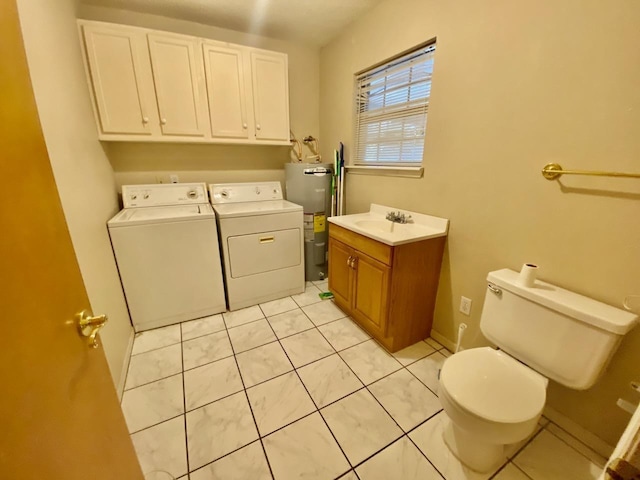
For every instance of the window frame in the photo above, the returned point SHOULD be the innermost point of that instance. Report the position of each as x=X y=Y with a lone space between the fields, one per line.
x=396 y=168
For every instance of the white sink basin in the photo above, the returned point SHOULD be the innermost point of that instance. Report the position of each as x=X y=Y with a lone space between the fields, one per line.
x=373 y=224
x=376 y=225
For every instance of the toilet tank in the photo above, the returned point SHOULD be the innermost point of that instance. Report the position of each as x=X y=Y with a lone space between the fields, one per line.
x=565 y=336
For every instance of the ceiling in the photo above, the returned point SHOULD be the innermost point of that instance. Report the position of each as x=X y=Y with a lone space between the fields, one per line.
x=313 y=22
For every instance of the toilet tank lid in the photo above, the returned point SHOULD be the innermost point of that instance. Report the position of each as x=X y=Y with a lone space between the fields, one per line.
x=577 y=306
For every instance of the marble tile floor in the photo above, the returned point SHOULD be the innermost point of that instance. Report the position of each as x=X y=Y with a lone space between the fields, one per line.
x=294 y=389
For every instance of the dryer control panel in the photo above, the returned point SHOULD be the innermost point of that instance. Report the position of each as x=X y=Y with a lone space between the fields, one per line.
x=245 y=192
x=156 y=195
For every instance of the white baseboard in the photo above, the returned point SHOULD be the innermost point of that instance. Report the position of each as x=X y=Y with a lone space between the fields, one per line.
x=125 y=365
x=442 y=340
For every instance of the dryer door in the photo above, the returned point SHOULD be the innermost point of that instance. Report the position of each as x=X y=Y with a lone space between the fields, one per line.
x=264 y=252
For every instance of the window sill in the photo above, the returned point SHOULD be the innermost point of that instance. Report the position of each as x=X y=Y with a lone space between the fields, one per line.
x=387 y=171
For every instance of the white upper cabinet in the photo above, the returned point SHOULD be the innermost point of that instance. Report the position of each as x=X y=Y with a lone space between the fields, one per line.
x=270 y=95
x=179 y=82
x=156 y=86
x=122 y=89
x=224 y=71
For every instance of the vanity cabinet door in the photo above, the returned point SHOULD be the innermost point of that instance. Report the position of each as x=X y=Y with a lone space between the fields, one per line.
x=340 y=272
x=371 y=293
x=178 y=74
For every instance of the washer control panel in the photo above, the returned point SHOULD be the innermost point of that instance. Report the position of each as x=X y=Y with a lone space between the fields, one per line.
x=156 y=195
x=245 y=192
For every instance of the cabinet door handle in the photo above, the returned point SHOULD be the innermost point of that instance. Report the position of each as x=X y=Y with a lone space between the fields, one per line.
x=353 y=262
x=145 y=119
x=244 y=125
x=163 y=121
x=258 y=126
x=349 y=261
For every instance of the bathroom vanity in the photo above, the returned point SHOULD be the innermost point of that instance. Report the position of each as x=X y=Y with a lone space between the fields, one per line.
x=385 y=274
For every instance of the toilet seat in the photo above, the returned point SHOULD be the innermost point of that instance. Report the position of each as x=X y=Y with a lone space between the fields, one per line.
x=492 y=385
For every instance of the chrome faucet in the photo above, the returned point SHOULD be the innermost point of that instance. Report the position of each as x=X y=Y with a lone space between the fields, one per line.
x=398 y=217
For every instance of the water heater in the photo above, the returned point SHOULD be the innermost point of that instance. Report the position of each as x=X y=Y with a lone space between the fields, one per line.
x=309 y=185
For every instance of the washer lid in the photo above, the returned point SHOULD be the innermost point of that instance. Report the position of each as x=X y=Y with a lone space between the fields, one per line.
x=492 y=385
x=248 y=209
x=177 y=213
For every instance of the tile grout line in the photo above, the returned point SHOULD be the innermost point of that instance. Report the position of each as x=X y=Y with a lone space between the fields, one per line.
x=383 y=408
x=226 y=455
x=510 y=460
x=184 y=403
x=420 y=450
x=246 y=395
x=262 y=382
x=152 y=381
x=155 y=349
x=294 y=369
x=312 y=400
x=366 y=386
x=520 y=470
x=569 y=445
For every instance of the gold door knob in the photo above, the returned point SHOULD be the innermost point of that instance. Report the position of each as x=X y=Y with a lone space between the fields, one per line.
x=89 y=326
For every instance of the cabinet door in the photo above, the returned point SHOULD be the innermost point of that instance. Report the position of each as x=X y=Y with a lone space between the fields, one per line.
x=340 y=273
x=224 y=72
x=371 y=292
x=179 y=80
x=123 y=94
x=270 y=81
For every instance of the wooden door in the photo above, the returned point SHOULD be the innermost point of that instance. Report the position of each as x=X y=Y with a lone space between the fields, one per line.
x=270 y=80
x=371 y=292
x=122 y=92
x=179 y=80
x=59 y=412
x=340 y=273
x=226 y=90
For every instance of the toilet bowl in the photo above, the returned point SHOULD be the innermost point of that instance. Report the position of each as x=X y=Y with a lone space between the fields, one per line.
x=492 y=400
x=490 y=397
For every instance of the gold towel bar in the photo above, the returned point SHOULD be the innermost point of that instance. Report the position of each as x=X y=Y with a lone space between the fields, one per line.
x=551 y=171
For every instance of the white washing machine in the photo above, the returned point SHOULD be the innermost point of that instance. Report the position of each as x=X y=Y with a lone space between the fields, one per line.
x=262 y=242
x=165 y=241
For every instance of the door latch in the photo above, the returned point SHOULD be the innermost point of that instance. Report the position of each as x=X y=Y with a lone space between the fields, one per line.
x=89 y=326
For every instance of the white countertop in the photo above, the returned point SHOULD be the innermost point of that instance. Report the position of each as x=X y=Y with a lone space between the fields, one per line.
x=373 y=224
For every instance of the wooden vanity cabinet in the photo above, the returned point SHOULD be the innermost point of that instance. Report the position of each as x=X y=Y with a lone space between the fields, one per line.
x=389 y=290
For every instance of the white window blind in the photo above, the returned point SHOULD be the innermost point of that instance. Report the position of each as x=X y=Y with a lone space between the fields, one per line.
x=392 y=101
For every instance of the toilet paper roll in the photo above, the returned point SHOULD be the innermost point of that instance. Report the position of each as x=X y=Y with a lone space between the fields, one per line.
x=527 y=277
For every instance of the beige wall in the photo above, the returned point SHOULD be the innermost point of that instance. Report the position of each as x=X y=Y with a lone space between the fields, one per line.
x=151 y=163
x=516 y=85
x=81 y=169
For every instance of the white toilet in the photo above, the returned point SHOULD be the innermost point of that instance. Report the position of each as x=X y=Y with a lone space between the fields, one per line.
x=495 y=397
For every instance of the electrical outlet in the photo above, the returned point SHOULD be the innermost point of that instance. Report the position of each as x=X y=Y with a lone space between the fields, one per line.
x=465 y=305
x=174 y=178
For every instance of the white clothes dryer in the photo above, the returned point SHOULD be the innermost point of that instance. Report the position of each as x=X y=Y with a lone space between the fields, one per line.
x=165 y=241
x=262 y=242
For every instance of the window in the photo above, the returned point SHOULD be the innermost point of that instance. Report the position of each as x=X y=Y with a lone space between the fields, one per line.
x=391 y=110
